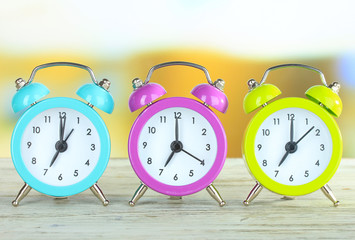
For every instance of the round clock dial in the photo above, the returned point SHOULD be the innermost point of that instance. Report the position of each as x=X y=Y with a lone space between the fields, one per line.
x=298 y=160
x=193 y=152
x=177 y=146
x=292 y=146
x=55 y=163
x=60 y=146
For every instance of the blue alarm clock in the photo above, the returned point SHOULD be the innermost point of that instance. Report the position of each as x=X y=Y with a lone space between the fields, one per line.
x=61 y=146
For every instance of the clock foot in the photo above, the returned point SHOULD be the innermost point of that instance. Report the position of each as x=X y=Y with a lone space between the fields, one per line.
x=253 y=194
x=138 y=194
x=215 y=194
x=95 y=189
x=175 y=197
x=330 y=195
x=288 y=198
x=22 y=193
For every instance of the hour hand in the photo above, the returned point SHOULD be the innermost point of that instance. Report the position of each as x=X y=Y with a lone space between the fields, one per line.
x=169 y=158
x=284 y=158
x=54 y=158
x=60 y=146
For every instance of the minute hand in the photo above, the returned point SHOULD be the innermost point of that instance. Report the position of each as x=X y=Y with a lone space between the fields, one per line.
x=305 y=134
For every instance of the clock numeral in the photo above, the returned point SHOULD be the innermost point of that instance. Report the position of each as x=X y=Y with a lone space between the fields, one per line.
x=76 y=173
x=321 y=147
x=60 y=178
x=36 y=129
x=276 y=172
x=191 y=173
x=264 y=163
x=145 y=144
x=177 y=115
x=317 y=132
x=259 y=147
x=306 y=121
x=152 y=130
x=92 y=147
x=193 y=120
x=276 y=121
x=149 y=160
x=317 y=163
x=88 y=131
x=78 y=120
x=208 y=147
x=34 y=160
x=266 y=132
x=291 y=178
x=306 y=173
x=87 y=162
x=291 y=116
x=161 y=171
x=62 y=114
x=175 y=177
x=29 y=144
x=204 y=131
x=47 y=119
x=45 y=171
x=162 y=119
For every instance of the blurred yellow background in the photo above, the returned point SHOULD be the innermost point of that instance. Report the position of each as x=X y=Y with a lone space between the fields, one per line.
x=122 y=40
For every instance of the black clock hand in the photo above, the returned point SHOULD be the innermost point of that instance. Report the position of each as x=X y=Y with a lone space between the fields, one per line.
x=65 y=140
x=176 y=129
x=54 y=158
x=291 y=146
x=62 y=127
x=289 y=143
x=291 y=130
x=202 y=162
x=305 y=134
x=284 y=157
x=169 y=158
x=61 y=147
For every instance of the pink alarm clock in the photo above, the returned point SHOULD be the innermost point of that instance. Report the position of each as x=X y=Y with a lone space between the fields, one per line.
x=177 y=146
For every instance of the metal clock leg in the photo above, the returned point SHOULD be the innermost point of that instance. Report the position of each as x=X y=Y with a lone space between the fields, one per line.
x=215 y=194
x=138 y=194
x=253 y=193
x=330 y=195
x=22 y=193
x=99 y=194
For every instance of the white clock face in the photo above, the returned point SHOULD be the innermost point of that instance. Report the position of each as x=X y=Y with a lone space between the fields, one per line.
x=56 y=161
x=177 y=146
x=297 y=159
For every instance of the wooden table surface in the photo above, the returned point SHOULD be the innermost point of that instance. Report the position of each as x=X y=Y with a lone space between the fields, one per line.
x=194 y=217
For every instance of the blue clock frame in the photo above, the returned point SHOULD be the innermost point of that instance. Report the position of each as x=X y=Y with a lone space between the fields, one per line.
x=92 y=115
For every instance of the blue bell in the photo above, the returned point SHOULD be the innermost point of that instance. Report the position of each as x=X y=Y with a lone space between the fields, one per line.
x=97 y=95
x=27 y=94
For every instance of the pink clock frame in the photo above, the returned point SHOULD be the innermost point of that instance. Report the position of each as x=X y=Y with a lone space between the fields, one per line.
x=150 y=111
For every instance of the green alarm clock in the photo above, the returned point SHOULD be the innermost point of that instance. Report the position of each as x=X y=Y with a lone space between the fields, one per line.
x=60 y=146
x=292 y=146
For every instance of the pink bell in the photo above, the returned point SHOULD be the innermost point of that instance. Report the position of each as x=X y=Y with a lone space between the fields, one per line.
x=144 y=94
x=212 y=95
